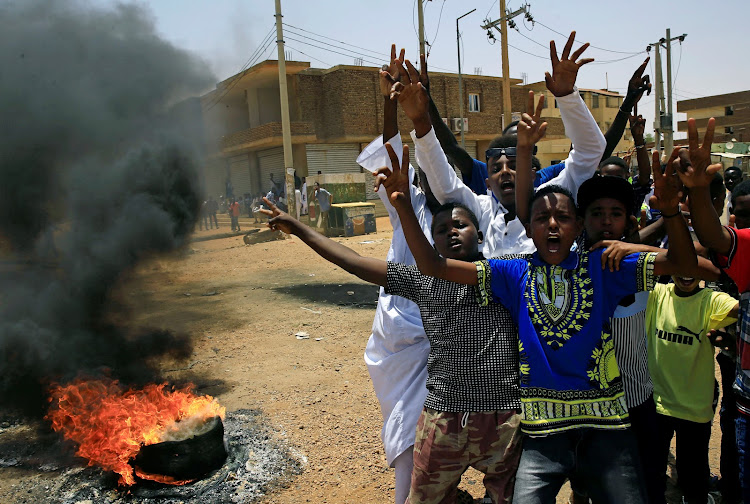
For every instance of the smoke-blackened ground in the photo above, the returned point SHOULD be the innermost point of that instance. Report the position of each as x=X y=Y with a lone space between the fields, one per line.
x=99 y=159
x=258 y=460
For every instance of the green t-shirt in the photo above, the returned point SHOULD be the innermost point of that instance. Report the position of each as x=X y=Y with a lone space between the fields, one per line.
x=680 y=355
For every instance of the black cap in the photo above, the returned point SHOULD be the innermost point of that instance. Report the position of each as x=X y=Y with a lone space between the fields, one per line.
x=605 y=186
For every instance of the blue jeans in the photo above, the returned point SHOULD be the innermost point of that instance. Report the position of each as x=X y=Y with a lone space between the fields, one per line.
x=728 y=463
x=601 y=463
x=742 y=424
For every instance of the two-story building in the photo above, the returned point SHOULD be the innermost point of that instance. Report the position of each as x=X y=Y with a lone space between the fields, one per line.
x=603 y=105
x=731 y=110
x=336 y=112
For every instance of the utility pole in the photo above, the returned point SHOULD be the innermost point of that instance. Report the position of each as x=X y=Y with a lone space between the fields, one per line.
x=460 y=81
x=503 y=22
x=663 y=117
x=658 y=97
x=286 y=130
x=668 y=130
x=507 y=106
x=421 y=28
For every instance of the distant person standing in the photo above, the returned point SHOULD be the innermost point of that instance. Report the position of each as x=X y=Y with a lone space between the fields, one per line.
x=212 y=207
x=203 y=220
x=325 y=200
x=234 y=214
x=304 y=196
x=298 y=202
x=732 y=177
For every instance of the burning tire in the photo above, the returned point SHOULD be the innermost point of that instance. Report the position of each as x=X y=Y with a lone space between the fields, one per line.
x=186 y=459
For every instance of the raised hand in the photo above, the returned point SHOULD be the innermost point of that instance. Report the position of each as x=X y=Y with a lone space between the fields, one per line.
x=392 y=70
x=412 y=96
x=667 y=186
x=530 y=128
x=637 y=125
x=565 y=69
x=637 y=84
x=424 y=78
x=278 y=220
x=396 y=181
x=698 y=171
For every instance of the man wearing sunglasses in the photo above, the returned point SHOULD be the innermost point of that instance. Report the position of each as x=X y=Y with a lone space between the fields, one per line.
x=504 y=233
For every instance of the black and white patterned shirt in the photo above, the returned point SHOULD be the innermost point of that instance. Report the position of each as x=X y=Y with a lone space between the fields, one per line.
x=473 y=362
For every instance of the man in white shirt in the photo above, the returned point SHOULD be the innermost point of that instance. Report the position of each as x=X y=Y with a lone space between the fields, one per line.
x=503 y=232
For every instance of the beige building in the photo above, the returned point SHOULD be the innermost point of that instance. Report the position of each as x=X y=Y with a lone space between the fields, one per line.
x=603 y=105
x=731 y=110
x=336 y=112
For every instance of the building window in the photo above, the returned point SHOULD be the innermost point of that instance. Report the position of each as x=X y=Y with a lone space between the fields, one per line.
x=554 y=100
x=474 y=103
x=613 y=102
x=594 y=100
x=729 y=110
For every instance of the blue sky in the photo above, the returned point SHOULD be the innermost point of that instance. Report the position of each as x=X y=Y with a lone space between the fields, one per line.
x=227 y=33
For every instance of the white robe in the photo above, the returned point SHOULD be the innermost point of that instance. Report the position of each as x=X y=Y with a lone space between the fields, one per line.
x=397 y=351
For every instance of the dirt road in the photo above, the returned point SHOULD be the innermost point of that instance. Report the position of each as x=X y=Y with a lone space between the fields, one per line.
x=243 y=305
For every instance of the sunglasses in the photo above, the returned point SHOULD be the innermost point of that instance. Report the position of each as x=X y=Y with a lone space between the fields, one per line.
x=500 y=151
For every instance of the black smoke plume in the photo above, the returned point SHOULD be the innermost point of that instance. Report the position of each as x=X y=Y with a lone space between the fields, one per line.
x=98 y=170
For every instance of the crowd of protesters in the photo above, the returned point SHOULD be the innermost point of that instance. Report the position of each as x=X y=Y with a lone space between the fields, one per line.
x=545 y=325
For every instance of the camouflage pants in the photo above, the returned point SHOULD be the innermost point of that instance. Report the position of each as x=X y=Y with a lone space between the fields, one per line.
x=449 y=443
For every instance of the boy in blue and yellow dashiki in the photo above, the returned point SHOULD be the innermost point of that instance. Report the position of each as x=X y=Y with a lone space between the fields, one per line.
x=574 y=412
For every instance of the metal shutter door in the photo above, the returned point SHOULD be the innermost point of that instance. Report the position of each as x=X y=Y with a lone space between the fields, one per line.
x=332 y=158
x=239 y=171
x=215 y=177
x=271 y=161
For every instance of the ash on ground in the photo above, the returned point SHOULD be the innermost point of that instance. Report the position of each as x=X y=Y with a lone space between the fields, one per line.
x=257 y=462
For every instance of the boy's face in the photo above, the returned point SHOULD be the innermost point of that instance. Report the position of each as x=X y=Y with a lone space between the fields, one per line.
x=553 y=227
x=685 y=284
x=732 y=178
x=501 y=179
x=455 y=235
x=614 y=171
x=605 y=219
x=741 y=211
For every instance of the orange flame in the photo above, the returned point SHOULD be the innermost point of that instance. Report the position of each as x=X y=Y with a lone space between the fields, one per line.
x=110 y=424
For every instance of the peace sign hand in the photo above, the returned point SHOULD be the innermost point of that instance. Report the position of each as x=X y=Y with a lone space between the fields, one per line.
x=667 y=187
x=530 y=128
x=412 y=95
x=697 y=170
x=391 y=71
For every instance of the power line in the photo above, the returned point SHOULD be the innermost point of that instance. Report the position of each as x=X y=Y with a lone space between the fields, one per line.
x=440 y=17
x=347 y=46
x=607 y=62
x=679 y=62
x=530 y=54
x=375 y=63
x=311 y=57
x=372 y=53
x=488 y=10
x=600 y=62
x=595 y=47
x=260 y=50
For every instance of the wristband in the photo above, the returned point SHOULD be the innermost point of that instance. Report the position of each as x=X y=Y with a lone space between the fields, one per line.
x=640 y=146
x=678 y=212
